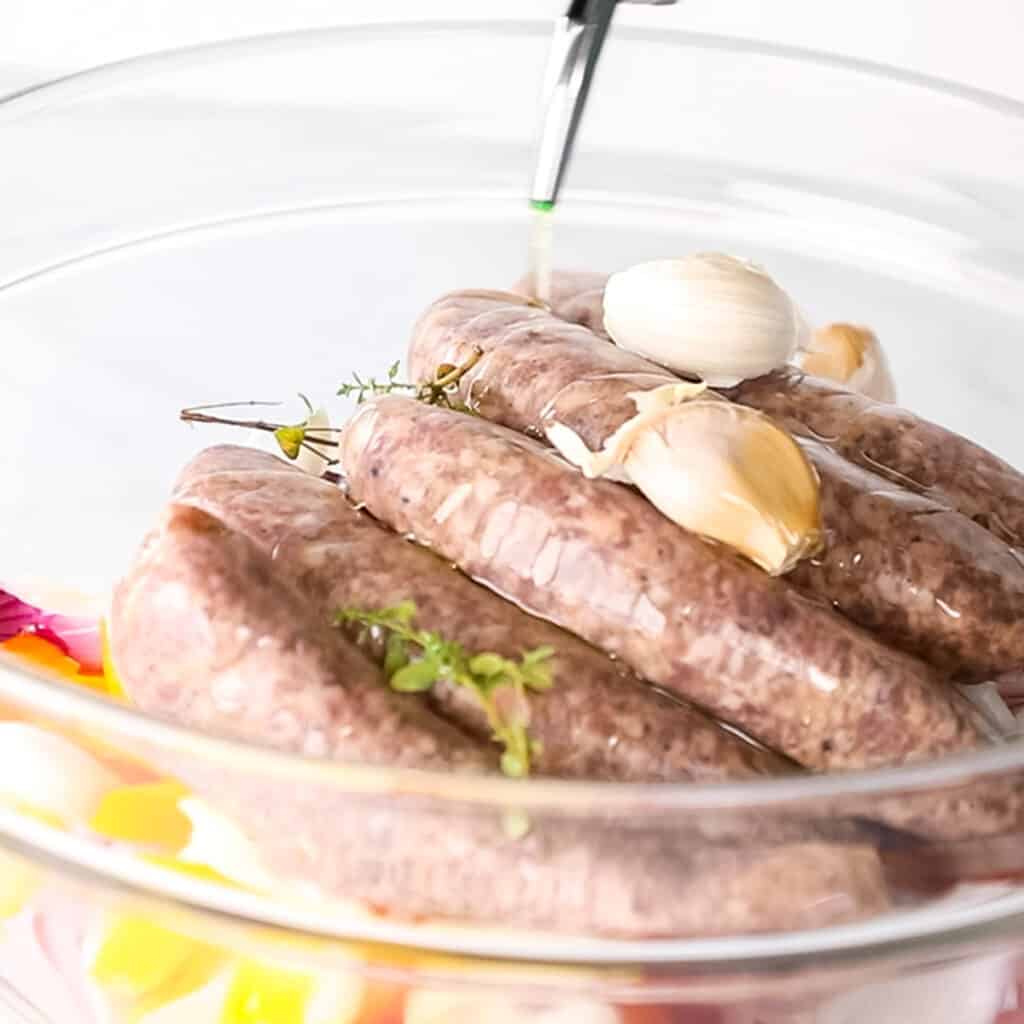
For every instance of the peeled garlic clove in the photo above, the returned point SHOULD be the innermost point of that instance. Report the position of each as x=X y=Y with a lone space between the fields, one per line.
x=851 y=355
x=712 y=315
x=730 y=474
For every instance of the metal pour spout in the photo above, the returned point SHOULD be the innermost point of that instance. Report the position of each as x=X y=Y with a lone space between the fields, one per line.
x=578 y=39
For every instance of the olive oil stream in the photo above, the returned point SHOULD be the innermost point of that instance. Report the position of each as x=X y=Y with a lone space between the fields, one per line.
x=540 y=249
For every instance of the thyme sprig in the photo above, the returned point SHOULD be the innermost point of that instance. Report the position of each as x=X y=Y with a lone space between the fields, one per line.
x=291 y=437
x=364 y=389
x=441 y=389
x=415 y=659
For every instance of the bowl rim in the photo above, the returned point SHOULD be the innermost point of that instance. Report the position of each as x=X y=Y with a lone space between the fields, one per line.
x=68 y=86
x=48 y=695
x=942 y=930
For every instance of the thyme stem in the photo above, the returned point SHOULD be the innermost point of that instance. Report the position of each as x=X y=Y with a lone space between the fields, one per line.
x=416 y=659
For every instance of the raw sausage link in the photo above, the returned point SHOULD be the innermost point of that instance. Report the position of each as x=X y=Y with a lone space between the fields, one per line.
x=419 y=859
x=894 y=442
x=923 y=577
x=205 y=632
x=576 y=296
x=598 y=721
x=599 y=560
x=885 y=439
x=541 y=357
x=920 y=576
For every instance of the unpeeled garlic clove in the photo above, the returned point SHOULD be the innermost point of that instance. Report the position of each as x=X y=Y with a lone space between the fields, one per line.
x=650 y=405
x=729 y=473
x=852 y=356
x=721 y=318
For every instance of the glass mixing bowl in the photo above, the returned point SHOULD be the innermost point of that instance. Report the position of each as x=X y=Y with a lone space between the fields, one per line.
x=254 y=219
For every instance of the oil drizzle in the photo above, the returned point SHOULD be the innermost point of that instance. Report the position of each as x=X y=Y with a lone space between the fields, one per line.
x=540 y=249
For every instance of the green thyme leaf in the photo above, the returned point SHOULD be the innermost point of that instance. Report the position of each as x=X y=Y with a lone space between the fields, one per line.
x=291 y=437
x=441 y=390
x=290 y=440
x=487 y=665
x=415 y=659
x=513 y=765
x=396 y=654
x=538 y=654
x=416 y=677
x=364 y=389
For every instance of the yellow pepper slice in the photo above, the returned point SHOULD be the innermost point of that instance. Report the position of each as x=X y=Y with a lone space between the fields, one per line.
x=261 y=994
x=143 y=965
x=146 y=814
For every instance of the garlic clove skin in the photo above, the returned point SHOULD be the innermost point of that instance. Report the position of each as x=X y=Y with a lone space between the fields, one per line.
x=317 y=427
x=851 y=355
x=729 y=473
x=649 y=406
x=713 y=315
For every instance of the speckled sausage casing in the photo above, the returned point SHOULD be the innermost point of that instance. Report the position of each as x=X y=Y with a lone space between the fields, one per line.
x=923 y=577
x=885 y=439
x=207 y=633
x=410 y=859
x=898 y=444
x=204 y=631
x=596 y=558
x=598 y=722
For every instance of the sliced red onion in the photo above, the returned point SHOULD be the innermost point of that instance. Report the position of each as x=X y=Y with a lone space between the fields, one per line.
x=76 y=635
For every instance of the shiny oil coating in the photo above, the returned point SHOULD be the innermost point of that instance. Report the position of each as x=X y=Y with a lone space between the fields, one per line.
x=576 y=295
x=596 y=558
x=598 y=721
x=922 y=577
x=530 y=358
x=897 y=444
x=903 y=563
x=885 y=439
x=205 y=632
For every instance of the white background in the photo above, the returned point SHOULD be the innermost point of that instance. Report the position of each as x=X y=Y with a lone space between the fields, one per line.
x=979 y=43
